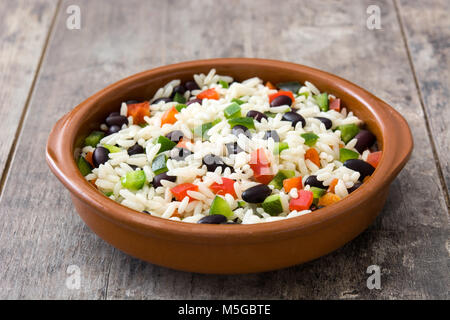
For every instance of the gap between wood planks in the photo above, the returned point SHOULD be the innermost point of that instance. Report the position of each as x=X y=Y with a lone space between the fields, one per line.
x=422 y=105
x=12 y=150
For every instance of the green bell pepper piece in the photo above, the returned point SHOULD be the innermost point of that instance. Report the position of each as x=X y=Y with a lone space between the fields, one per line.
x=232 y=111
x=133 y=180
x=243 y=121
x=322 y=101
x=348 y=131
x=310 y=138
x=159 y=164
x=166 y=144
x=84 y=166
x=94 y=138
x=346 y=154
x=178 y=97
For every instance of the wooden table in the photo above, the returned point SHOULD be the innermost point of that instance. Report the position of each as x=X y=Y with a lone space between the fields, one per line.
x=47 y=69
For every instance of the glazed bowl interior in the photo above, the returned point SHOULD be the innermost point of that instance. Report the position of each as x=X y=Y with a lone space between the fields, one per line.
x=378 y=117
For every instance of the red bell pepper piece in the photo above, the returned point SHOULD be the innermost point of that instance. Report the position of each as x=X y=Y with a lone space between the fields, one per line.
x=227 y=186
x=261 y=166
x=138 y=111
x=180 y=191
x=374 y=158
x=302 y=202
x=335 y=105
x=209 y=94
x=281 y=93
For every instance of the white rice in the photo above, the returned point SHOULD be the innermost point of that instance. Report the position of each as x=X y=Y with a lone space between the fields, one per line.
x=194 y=206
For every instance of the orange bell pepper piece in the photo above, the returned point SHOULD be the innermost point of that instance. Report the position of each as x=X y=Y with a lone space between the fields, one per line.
x=169 y=116
x=209 y=94
x=295 y=182
x=332 y=185
x=138 y=111
x=328 y=199
x=312 y=155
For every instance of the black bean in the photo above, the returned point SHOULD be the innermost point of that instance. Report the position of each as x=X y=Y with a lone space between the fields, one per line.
x=145 y=211
x=238 y=129
x=194 y=101
x=212 y=162
x=256 y=194
x=230 y=222
x=191 y=85
x=113 y=114
x=365 y=140
x=179 y=153
x=355 y=186
x=113 y=129
x=132 y=102
x=281 y=101
x=364 y=168
x=162 y=176
x=136 y=149
x=256 y=115
x=313 y=182
x=272 y=134
x=162 y=99
x=213 y=219
x=327 y=122
x=233 y=148
x=100 y=156
x=294 y=117
x=178 y=89
x=175 y=135
x=116 y=120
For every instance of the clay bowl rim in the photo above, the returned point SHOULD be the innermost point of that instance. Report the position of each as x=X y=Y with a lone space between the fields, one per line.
x=59 y=156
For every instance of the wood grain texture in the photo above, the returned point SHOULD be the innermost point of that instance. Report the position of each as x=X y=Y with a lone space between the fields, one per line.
x=24 y=26
x=427 y=30
x=41 y=234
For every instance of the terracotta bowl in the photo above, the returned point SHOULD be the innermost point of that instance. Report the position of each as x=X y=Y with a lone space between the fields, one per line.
x=227 y=249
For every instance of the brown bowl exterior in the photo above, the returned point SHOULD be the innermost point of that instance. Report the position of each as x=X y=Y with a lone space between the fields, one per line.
x=227 y=249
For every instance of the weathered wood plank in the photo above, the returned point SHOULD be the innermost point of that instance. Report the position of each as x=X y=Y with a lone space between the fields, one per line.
x=41 y=235
x=24 y=27
x=427 y=30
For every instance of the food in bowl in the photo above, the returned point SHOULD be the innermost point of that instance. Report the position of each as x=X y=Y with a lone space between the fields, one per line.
x=216 y=151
